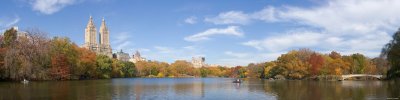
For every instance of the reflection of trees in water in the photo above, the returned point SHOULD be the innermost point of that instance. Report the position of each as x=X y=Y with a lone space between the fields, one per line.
x=87 y=90
x=393 y=89
x=125 y=89
x=94 y=89
x=255 y=85
x=331 y=90
x=192 y=89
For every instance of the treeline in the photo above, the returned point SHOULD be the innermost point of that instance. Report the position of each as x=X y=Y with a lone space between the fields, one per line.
x=181 y=68
x=34 y=56
x=305 y=63
x=31 y=55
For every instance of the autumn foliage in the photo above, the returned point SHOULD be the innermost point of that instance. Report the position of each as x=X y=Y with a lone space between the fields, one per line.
x=33 y=56
x=59 y=67
x=316 y=61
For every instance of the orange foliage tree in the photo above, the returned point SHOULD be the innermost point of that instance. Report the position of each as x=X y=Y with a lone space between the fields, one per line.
x=316 y=61
x=86 y=67
x=59 y=69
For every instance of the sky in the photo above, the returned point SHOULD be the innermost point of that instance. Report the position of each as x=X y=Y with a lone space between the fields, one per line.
x=225 y=32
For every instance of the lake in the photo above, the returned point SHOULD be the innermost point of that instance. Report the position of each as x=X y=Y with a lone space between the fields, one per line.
x=199 y=89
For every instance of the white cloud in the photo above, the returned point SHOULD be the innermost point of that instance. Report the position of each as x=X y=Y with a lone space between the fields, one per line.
x=335 y=16
x=283 y=42
x=7 y=22
x=170 y=54
x=236 y=54
x=50 y=6
x=231 y=17
x=349 y=26
x=322 y=41
x=163 y=49
x=121 y=41
x=243 y=59
x=231 y=30
x=189 y=47
x=143 y=50
x=122 y=46
x=191 y=20
x=344 y=16
x=267 y=14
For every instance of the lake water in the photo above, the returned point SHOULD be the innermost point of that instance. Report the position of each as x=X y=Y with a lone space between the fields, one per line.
x=200 y=88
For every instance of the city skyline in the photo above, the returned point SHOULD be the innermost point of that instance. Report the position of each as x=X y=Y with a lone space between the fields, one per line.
x=225 y=32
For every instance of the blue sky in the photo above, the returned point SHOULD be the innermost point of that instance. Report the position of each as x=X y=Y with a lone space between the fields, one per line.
x=226 y=32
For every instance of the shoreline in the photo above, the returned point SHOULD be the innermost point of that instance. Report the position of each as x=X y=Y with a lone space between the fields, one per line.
x=306 y=79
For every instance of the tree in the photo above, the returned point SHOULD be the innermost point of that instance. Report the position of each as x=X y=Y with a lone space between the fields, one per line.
x=103 y=63
x=128 y=69
x=204 y=72
x=360 y=62
x=256 y=70
x=335 y=66
x=304 y=54
x=140 y=66
x=63 y=46
x=2 y=55
x=381 y=64
x=370 y=68
x=1 y=41
x=10 y=36
x=26 y=56
x=295 y=67
x=316 y=61
x=335 y=55
x=86 y=65
x=59 y=67
x=153 y=68
x=267 y=69
x=275 y=70
x=116 y=67
x=181 y=67
x=392 y=53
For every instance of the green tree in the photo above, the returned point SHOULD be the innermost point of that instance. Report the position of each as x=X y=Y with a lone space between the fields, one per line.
x=204 y=72
x=392 y=52
x=104 y=66
x=360 y=63
x=129 y=69
x=268 y=69
x=10 y=36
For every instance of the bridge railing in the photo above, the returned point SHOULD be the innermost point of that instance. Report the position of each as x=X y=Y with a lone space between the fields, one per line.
x=360 y=75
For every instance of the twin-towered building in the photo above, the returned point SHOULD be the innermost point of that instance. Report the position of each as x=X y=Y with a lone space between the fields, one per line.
x=103 y=45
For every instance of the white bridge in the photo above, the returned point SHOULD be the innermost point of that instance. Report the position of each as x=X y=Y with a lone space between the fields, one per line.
x=360 y=75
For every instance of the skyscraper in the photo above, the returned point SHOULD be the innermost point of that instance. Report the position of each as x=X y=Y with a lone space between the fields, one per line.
x=103 y=45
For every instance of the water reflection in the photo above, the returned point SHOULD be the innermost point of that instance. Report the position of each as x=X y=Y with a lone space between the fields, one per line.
x=199 y=88
x=332 y=90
